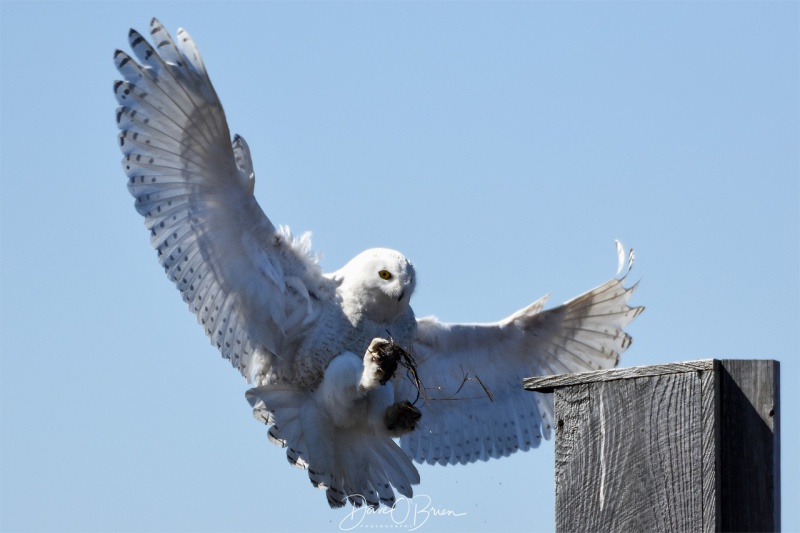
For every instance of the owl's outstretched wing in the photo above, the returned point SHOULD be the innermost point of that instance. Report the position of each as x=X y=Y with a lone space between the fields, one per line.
x=253 y=287
x=472 y=402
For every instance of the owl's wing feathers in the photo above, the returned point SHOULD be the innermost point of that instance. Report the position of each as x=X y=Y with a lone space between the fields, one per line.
x=473 y=404
x=251 y=285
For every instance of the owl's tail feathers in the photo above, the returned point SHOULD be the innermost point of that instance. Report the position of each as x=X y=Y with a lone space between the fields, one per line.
x=350 y=464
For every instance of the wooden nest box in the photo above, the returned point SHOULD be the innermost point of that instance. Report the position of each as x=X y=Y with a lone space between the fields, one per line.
x=678 y=447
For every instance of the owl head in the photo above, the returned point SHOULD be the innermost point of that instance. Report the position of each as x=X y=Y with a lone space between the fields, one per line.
x=378 y=282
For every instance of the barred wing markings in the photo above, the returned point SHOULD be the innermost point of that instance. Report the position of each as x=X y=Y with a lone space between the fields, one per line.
x=253 y=287
x=462 y=364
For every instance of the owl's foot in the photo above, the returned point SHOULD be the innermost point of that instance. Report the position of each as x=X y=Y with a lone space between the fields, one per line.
x=380 y=363
x=401 y=418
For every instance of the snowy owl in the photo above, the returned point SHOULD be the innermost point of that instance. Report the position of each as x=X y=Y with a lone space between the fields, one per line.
x=340 y=365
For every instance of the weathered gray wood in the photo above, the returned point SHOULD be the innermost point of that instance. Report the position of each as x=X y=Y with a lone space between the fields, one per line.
x=750 y=445
x=627 y=462
x=711 y=459
x=549 y=383
x=682 y=447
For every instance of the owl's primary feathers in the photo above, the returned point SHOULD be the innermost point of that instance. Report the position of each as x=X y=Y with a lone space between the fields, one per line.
x=340 y=364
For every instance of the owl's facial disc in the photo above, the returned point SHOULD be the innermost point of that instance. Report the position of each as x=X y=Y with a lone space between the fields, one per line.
x=394 y=281
x=380 y=281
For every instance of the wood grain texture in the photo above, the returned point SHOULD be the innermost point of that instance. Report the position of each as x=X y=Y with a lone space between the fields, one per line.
x=683 y=447
x=711 y=458
x=628 y=456
x=550 y=383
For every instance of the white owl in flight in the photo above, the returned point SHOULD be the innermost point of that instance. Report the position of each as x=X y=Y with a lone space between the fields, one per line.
x=341 y=365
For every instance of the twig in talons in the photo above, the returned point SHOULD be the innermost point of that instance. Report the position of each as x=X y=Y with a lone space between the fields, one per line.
x=464 y=380
x=406 y=360
x=485 y=389
x=467 y=378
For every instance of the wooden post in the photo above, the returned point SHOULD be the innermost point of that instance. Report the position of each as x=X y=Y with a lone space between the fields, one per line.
x=678 y=447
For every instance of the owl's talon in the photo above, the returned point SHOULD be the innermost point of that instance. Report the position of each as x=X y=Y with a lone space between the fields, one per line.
x=401 y=418
x=380 y=363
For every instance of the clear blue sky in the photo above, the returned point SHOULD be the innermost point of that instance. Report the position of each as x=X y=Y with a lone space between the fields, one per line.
x=501 y=146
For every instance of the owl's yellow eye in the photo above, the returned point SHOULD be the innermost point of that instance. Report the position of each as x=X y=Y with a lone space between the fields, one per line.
x=385 y=274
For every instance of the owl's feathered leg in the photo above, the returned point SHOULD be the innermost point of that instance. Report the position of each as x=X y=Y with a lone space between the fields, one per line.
x=380 y=364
